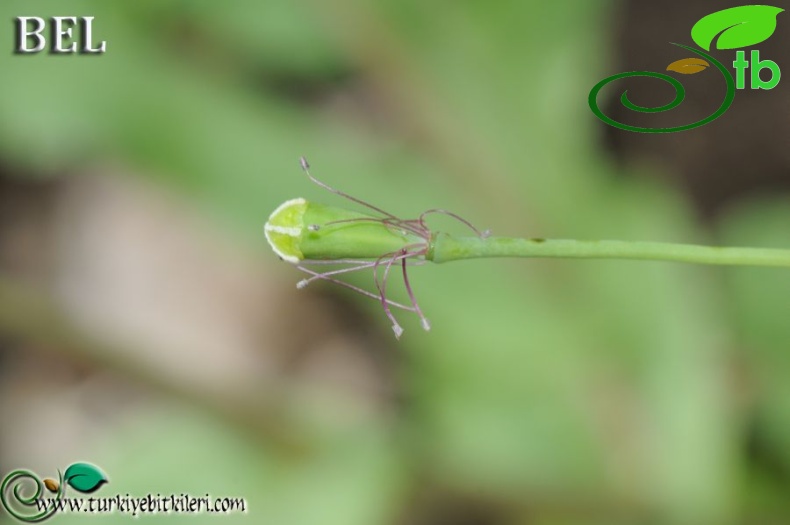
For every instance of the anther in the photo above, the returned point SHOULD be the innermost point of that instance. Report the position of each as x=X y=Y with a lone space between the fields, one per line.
x=398 y=330
x=313 y=227
x=301 y=284
x=303 y=162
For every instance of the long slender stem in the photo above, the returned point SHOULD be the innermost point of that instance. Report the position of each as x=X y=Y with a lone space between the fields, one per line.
x=446 y=248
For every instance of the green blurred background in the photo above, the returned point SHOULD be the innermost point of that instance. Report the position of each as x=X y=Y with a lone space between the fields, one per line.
x=146 y=327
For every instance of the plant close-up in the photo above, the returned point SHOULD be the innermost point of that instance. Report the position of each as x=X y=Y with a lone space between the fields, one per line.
x=340 y=241
x=536 y=272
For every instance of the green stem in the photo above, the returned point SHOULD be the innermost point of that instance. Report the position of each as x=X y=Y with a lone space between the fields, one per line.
x=446 y=248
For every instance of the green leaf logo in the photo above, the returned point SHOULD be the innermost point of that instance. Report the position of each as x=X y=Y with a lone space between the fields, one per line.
x=84 y=477
x=738 y=27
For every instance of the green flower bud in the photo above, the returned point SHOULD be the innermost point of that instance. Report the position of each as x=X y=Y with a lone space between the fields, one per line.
x=300 y=230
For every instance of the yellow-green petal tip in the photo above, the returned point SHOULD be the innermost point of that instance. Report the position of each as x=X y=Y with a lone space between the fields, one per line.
x=284 y=229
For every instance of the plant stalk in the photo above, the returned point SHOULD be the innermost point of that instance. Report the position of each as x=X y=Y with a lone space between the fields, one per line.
x=446 y=248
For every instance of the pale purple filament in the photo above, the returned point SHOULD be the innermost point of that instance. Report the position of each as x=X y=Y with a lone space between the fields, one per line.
x=413 y=254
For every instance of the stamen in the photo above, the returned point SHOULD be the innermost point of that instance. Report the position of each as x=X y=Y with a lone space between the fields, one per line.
x=328 y=262
x=426 y=325
x=409 y=225
x=397 y=224
x=413 y=254
x=362 y=266
x=382 y=287
x=306 y=168
x=355 y=288
x=480 y=234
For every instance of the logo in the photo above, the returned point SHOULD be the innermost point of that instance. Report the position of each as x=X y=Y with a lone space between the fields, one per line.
x=30 y=499
x=30 y=505
x=734 y=28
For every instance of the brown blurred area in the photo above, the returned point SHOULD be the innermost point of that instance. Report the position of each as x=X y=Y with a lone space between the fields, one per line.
x=146 y=281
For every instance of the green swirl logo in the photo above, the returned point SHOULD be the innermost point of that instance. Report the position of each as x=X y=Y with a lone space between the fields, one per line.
x=24 y=505
x=22 y=491
x=731 y=28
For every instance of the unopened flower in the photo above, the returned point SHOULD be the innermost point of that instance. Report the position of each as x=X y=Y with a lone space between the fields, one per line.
x=327 y=242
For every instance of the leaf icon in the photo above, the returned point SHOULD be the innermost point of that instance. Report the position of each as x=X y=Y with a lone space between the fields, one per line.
x=742 y=26
x=688 y=66
x=51 y=484
x=84 y=477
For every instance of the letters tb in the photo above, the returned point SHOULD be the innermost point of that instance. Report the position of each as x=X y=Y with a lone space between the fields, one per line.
x=757 y=65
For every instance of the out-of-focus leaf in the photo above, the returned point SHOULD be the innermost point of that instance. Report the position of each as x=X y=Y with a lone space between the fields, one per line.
x=759 y=300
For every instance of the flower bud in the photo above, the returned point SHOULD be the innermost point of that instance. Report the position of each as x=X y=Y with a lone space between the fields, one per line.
x=300 y=230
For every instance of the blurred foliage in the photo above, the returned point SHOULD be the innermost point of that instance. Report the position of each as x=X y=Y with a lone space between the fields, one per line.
x=547 y=392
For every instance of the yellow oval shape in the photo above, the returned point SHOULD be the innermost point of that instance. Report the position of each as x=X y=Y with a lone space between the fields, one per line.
x=688 y=66
x=51 y=484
